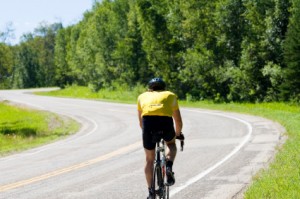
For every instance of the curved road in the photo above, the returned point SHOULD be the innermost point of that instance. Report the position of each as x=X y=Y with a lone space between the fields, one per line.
x=105 y=159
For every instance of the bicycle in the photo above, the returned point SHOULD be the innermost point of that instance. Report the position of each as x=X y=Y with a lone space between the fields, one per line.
x=159 y=170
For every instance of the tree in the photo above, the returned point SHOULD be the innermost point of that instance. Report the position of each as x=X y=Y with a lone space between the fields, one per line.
x=34 y=60
x=6 y=65
x=160 y=23
x=8 y=33
x=262 y=46
x=45 y=43
x=231 y=24
x=199 y=33
x=132 y=52
x=63 y=74
x=26 y=66
x=222 y=50
x=291 y=87
x=155 y=36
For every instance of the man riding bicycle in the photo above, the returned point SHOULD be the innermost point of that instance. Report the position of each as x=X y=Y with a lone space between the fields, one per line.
x=157 y=108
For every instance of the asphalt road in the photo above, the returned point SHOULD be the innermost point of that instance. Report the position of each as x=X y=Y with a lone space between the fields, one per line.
x=105 y=159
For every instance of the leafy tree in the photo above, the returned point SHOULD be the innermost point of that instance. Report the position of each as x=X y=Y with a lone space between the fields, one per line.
x=45 y=42
x=98 y=39
x=73 y=58
x=197 y=74
x=291 y=86
x=6 y=65
x=275 y=74
x=34 y=60
x=231 y=24
x=63 y=75
x=8 y=34
x=225 y=50
x=26 y=67
x=162 y=39
x=155 y=36
x=262 y=45
x=199 y=55
x=135 y=56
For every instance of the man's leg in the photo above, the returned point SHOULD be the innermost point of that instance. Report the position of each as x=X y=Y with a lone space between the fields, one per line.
x=150 y=157
x=171 y=154
x=172 y=149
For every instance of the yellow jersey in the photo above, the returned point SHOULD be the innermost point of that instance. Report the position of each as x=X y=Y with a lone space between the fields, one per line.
x=159 y=103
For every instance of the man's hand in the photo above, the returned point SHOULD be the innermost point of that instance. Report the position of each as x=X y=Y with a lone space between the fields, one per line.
x=181 y=138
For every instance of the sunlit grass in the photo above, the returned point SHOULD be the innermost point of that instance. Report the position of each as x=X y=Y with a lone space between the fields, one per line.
x=282 y=178
x=122 y=95
x=22 y=128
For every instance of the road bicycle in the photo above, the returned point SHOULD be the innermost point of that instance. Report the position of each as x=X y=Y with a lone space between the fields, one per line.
x=159 y=184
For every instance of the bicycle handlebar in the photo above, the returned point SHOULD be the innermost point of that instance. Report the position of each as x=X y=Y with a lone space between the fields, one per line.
x=181 y=138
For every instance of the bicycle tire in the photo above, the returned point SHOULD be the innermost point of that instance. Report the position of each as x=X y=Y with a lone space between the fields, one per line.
x=153 y=184
x=161 y=183
x=157 y=181
x=167 y=192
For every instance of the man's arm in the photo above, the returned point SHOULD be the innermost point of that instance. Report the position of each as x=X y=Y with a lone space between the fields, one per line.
x=140 y=118
x=178 y=122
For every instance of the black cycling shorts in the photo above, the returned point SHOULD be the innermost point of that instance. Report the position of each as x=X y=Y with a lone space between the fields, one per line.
x=155 y=127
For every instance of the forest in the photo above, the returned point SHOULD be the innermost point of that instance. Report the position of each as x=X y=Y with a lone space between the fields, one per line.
x=220 y=50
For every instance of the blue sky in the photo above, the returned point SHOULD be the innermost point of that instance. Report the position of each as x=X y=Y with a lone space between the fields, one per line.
x=26 y=15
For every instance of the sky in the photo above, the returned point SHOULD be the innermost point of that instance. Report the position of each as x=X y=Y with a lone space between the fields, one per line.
x=26 y=15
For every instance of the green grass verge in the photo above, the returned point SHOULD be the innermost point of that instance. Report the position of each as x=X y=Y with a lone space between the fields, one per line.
x=23 y=128
x=280 y=180
x=121 y=95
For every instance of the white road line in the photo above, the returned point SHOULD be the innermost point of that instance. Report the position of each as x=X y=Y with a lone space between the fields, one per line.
x=86 y=134
x=207 y=171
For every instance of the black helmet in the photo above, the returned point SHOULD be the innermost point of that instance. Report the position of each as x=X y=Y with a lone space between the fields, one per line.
x=156 y=84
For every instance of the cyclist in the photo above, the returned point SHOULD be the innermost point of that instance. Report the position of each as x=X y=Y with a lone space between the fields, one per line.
x=157 y=108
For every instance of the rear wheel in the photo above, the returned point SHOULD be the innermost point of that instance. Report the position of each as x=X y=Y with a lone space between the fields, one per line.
x=160 y=183
x=158 y=187
x=154 y=184
x=167 y=192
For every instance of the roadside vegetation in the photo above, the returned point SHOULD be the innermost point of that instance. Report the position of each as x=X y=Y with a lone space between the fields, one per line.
x=121 y=94
x=23 y=128
x=280 y=180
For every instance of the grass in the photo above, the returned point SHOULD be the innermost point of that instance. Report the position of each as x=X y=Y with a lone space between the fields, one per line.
x=23 y=128
x=121 y=95
x=280 y=180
